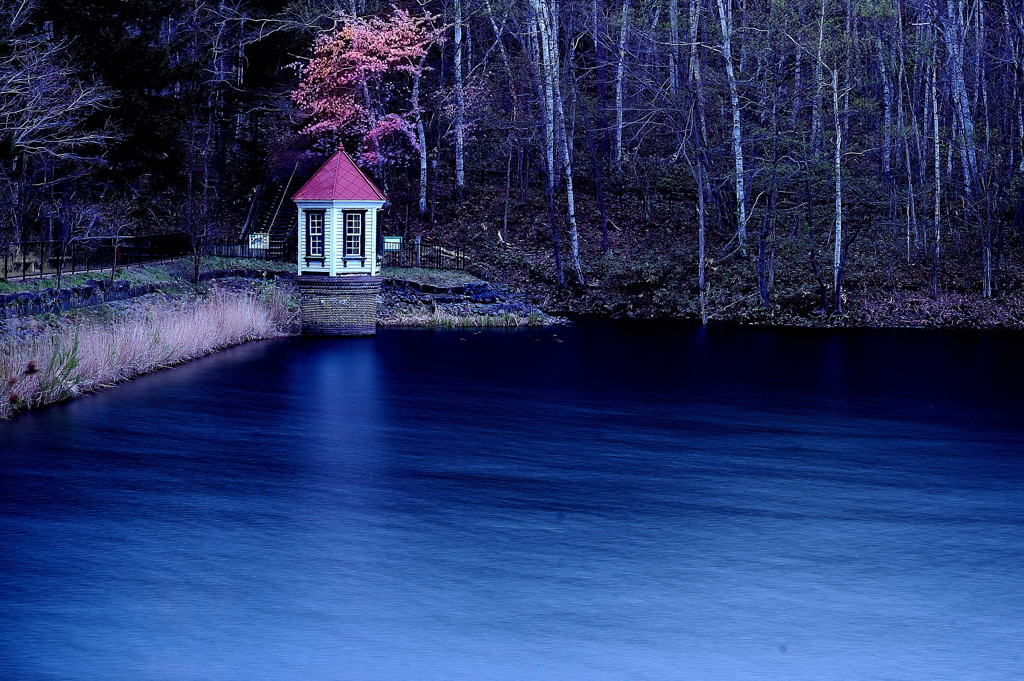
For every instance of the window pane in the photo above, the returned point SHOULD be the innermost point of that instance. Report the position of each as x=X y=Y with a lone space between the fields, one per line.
x=353 y=234
x=315 y=234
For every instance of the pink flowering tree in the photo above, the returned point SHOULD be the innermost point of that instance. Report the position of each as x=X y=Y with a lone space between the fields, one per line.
x=357 y=83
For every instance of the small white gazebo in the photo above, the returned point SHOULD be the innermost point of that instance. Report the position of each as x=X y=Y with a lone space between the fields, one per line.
x=338 y=220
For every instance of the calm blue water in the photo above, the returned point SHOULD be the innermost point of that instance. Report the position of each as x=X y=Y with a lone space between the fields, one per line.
x=609 y=501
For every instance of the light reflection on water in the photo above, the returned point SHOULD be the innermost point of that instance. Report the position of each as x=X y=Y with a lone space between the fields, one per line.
x=635 y=502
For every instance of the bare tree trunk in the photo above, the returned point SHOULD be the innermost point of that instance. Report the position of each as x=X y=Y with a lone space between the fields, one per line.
x=1014 y=17
x=434 y=174
x=460 y=108
x=701 y=248
x=620 y=74
x=508 y=190
x=886 y=114
x=673 y=50
x=838 y=169
x=982 y=80
x=798 y=86
x=764 y=274
x=955 y=48
x=956 y=44
x=550 y=192
x=762 y=246
x=817 y=126
x=1020 y=124
x=725 y=19
x=600 y=66
x=697 y=77
x=421 y=138
x=516 y=110
x=938 y=182
x=545 y=89
x=901 y=121
x=552 y=68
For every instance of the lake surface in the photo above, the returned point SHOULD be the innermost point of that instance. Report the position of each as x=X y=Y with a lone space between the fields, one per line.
x=608 y=501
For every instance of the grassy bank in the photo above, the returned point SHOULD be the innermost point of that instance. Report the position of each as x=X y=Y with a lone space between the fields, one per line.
x=79 y=354
x=432 y=277
x=167 y=274
x=439 y=318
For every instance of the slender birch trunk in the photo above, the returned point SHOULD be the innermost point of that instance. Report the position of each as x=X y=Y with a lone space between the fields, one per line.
x=620 y=74
x=460 y=108
x=421 y=139
x=902 y=88
x=599 y=32
x=837 y=257
x=539 y=48
x=938 y=181
x=955 y=48
x=696 y=73
x=887 y=107
x=701 y=230
x=551 y=66
x=817 y=125
x=546 y=92
x=955 y=33
x=725 y=19
x=508 y=189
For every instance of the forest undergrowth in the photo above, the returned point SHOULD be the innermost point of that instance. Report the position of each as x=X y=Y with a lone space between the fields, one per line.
x=651 y=269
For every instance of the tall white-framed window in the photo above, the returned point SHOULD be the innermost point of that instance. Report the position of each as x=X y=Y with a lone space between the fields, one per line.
x=355 y=230
x=314 y=233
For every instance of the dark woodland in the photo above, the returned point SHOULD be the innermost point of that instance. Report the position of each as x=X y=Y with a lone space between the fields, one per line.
x=800 y=162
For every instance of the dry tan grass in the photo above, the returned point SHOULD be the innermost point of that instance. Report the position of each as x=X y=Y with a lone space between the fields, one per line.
x=439 y=318
x=74 y=358
x=430 y=276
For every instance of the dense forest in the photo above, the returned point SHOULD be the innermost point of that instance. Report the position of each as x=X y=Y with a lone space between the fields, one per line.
x=750 y=159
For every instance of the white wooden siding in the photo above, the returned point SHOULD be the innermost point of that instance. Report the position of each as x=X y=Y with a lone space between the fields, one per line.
x=334 y=238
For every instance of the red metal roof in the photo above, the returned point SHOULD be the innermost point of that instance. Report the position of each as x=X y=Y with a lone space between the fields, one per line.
x=339 y=180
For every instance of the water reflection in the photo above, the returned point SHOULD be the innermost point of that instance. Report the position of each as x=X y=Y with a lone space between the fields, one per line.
x=634 y=502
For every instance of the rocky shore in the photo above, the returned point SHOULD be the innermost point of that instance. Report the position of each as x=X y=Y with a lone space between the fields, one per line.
x=405 y=302
x=408 y=297
x=443 y=298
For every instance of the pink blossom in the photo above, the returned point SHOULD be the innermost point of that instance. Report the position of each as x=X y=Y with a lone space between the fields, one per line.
x=359 y=68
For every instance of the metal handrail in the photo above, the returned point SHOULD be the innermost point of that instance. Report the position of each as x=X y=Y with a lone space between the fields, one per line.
x=31 y=259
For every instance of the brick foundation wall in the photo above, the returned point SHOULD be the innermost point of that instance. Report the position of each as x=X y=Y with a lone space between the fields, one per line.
x=339 y=306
